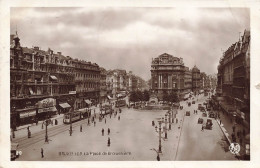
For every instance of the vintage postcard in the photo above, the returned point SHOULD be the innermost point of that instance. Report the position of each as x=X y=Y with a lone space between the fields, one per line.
x=156 y=84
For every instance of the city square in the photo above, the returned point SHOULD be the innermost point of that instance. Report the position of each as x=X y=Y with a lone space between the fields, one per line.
x=89 y=90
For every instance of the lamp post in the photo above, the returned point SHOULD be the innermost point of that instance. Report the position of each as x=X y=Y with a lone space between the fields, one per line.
x=165 y=135
x=70 y=125
x=170 y=126
x=160 y=145
x=172 y=117
x=46 y=131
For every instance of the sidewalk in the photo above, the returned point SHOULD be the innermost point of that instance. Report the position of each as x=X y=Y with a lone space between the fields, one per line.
x=23 y=132
x=227 y=128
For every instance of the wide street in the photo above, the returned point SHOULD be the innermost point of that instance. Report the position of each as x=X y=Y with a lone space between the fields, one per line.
x=133 y=138
x=201 y=145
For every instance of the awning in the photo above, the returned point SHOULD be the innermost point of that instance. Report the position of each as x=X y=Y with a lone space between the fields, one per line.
x=64 y=105
x=88 y=101
x=53 y=77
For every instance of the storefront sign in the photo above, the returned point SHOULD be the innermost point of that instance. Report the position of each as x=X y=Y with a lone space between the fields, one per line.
x=72 y=92
x=49 y=102
x=42 y=110
x=28 y=114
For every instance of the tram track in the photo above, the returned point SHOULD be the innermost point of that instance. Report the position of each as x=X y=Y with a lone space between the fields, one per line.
x=25 y=142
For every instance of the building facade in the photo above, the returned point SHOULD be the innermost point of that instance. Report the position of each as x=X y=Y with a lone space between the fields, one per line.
x=233 y=83
x=87 y=80
x=187 y=80
x=196 y=80
x=38 y=81
x=103 y=86
x=167 y=75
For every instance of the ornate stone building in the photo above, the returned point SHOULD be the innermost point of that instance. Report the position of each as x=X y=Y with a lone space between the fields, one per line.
x=87 y=80
x=233 y=84
x=167 y=75
x=196 y=80
x=38 y=81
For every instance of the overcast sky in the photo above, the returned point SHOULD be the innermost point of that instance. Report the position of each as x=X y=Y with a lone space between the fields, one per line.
x=128 y=38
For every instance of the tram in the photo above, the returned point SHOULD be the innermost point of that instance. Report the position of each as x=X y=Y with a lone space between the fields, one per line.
x=75 y=116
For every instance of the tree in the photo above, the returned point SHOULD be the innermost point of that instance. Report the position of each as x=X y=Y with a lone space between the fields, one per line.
x=173 y=97
x=139 y=95
x=133 y=97
x=146 y=95
x=165 y=96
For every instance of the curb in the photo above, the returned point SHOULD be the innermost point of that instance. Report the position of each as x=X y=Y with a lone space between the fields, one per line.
x=226 y=134
x=30 y=125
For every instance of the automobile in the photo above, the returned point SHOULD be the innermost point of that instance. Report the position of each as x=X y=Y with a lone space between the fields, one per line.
x=14 y=152
x=204 y=114
x=187 y=113
x=202 y=109
x=199 y=106
x=209 y=124
x=200 y=121
x=211 y=115
x=193 y=102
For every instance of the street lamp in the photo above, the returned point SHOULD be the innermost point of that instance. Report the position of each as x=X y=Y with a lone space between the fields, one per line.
x=160 y=145
x=172 y=117
x=169 y=120
x=165 y=126
x=46 y=131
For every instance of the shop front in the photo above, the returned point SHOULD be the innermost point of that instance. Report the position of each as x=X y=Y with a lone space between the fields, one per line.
x=65 y=107
x=46 y=108
x=26 y=116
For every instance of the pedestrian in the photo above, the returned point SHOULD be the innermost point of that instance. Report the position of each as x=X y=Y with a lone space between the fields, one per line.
x=118 y=117
x=176 y=120
x=108 y=131
x=220 y=122
x=158 y=157
x=29 y=134
x=88 y=121
x=80 y=128
x=28 y=128
x=102 y=131
x=202 y=128
x=108 y=142
x=42 y=153
x=94 y=123
x=105 y=121
x=42 y=125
